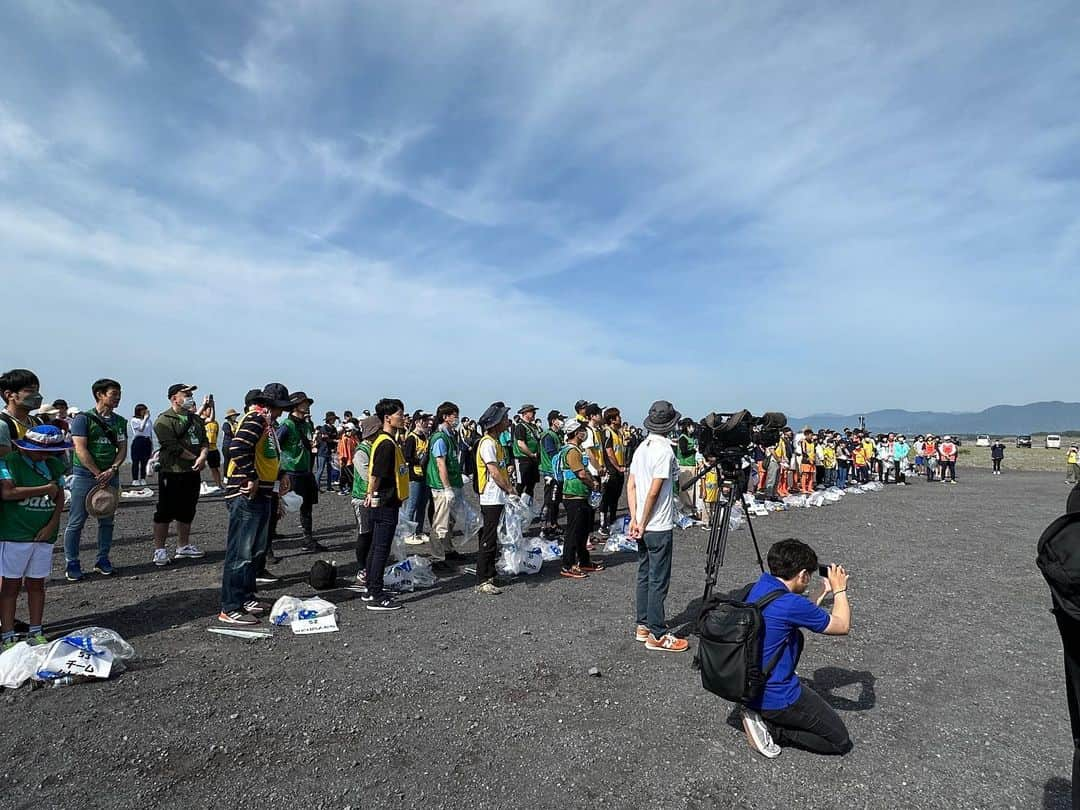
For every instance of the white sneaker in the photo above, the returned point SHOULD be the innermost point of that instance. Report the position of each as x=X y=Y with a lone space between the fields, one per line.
x=190 y=551
x=414 y=540
x=161 y=556
x=757 y=734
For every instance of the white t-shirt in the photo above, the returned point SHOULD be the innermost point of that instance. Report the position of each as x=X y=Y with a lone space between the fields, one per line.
x=589 y=444
x=492 y=494
x=654 y=459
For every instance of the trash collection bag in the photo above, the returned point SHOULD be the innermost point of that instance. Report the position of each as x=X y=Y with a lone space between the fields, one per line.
x=399 y=576
x=516 y=517
x=422 y=574
x=550 y=550
x=92 y=652
x=288 y=609
x=815 y=499
x=405 y=528
x=18 y=664
x=873 y=486
x=468 y=521
x=291 y=502
x=737 y=520
x=795 y=501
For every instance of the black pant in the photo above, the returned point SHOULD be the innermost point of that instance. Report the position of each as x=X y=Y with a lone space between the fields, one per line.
x=383 y=524
x=552 y=498
x=304 y=485
x=609 y=501
x=489 y=542
x=1070 y=640
x=141 y=450
x=345 y=478
x=579 y=516
x=528 y=475
x=809 y=723
x=901 y=478
x=997 y=464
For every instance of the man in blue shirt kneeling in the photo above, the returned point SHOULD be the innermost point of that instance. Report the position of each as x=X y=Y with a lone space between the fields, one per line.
x=788 y=713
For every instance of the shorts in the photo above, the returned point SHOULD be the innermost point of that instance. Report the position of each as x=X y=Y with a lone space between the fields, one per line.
x=23 y=559
x=213 y=459
x=363 y=516
x=178 y=495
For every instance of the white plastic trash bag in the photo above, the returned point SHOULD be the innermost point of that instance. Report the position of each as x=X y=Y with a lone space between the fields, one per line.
x=422 y=574
x=795 y=501
x=291 y=501
x=288 y=609
x=405 y=528
x=92 y=652
x=873 y=486
x=17 y=665
x=550 y=550
x=399 y=576
x=737 y=520
x=515 y=519
x=815 y=499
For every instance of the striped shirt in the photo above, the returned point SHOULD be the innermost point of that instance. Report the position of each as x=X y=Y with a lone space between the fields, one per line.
x=254 y=455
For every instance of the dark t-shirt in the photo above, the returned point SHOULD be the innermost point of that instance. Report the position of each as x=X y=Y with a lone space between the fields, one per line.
x=383 y=467
x=326 y=436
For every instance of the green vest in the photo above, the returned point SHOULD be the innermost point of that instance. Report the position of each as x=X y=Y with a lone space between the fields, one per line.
x=545 y=459
x=532 y=440
x=101 y=449
x=20 y=521
x=689 y=460
x=295 y=452
x=453 y=462
x=572 y=486
x=359 y=483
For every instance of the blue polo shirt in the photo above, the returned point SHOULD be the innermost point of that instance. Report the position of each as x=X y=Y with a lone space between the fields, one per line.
x=783 y=619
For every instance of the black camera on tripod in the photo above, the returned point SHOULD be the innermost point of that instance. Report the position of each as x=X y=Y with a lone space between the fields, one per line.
x=727 y=437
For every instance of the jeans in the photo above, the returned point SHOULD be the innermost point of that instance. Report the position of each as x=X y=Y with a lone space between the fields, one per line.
x=80 y=486
x=383 y=524
x=323 y=462
x=416 y=505
x=809 y=723
x=489 y=542
x=653 y=578
x=578 y=524
x=841 y=474
x=245 y=550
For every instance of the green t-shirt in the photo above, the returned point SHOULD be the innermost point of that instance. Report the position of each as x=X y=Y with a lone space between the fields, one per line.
x=20 y=521
x=101 y=449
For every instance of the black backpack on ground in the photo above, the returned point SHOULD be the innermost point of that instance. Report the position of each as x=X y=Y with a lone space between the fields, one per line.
x=1059 y=561
x=732 y=632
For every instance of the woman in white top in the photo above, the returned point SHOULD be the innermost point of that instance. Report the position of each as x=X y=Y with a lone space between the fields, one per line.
x=142 y=445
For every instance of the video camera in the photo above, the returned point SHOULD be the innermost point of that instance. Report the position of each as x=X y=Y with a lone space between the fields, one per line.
x=727 y=437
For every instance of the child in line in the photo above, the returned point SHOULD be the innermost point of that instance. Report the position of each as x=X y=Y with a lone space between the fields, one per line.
x=31 y=500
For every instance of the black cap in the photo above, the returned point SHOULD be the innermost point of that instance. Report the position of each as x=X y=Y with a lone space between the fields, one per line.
x=176 y=388
x=581 y=403
x=298 y=398
x=274 y=395
x=251 y=396
x=553 y=415
x=494 y=414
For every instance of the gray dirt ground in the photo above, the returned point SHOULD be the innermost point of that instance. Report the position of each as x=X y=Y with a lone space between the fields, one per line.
x=950 y=683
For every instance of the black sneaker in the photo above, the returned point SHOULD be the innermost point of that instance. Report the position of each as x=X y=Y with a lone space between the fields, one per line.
x=266 y=578
x=455 y=555
x=444 y=568
x=385 y=604
x=311 y=546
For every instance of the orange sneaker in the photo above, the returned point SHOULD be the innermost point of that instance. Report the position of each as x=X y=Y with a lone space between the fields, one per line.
x=666 y=643
x=592 y=567
x=573 y=573
x=641 y=634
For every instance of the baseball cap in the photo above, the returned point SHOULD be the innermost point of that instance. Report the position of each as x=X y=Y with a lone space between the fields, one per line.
x=176 y=388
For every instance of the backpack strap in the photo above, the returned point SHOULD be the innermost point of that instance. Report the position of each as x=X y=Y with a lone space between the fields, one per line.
x=110 y=434
x=761 y=604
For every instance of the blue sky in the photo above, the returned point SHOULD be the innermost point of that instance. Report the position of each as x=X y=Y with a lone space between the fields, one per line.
x=806 y=207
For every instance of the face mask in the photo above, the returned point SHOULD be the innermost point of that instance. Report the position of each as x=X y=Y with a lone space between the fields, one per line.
x=189 y=403
x=32 y=401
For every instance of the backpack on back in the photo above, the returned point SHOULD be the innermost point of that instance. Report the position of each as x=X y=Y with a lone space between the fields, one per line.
x=1059 y=561
x=732 y=632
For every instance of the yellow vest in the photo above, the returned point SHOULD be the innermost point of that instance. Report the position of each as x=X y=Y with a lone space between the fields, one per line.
x=1071 y=458
x=421 y=449
x=618 y=446
x=400 y=467
x=481 y=466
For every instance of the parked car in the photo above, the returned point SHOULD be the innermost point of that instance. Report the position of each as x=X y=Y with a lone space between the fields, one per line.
x=1023 y=441
x=982 y=440
x=1053 y=441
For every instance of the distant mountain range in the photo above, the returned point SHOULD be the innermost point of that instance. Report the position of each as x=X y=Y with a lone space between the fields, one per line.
x=1005 y=420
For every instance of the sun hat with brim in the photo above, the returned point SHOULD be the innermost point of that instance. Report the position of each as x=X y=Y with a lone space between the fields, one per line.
x=102 y=501
x=231 y=412
x=526 y=408
x=48 y=410
x=494 y=414
x=572 y=427
x=662 y=417
x=299 y=398
x=44 y=439
x=370 y=427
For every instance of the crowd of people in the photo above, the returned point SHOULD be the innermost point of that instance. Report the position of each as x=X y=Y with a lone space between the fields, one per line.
x=394 y=465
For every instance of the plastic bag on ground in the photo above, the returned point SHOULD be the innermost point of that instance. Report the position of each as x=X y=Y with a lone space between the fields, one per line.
x=288 y=609
x=91 y=652
x=399 y=576
x=795 y=501
x=737 y=520
x=405 y=528
x=815 y=499
x=854 y=489
x=291 y=502
x=468 y=521
x=873 y=486
x=138 y=494
x=422 y=574
x=550 y=550
x=515 y=519
x=18 y=664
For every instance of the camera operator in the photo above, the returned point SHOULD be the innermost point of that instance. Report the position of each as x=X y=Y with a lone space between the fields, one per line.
x=787 y=713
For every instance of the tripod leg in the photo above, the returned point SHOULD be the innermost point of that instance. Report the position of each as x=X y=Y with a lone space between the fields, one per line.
x=753 y=535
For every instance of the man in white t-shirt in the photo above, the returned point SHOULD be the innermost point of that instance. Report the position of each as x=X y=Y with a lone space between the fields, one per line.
x=651 y=498
x=495 y=492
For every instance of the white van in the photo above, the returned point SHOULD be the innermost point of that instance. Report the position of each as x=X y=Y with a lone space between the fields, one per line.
x=982 y=440
x=1053 y=441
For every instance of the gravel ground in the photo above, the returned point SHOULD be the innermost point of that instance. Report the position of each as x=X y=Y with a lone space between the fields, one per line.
x=950 y=683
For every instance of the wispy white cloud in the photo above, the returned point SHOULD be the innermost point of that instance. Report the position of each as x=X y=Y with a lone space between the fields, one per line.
x=87 y=24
